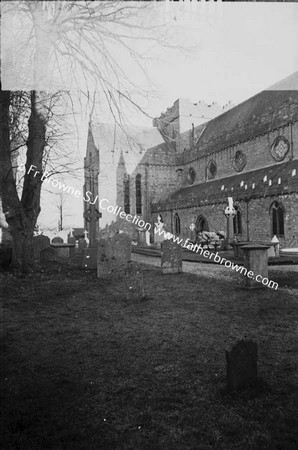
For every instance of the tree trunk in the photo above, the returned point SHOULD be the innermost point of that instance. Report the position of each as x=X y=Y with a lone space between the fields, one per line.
x=21 y=215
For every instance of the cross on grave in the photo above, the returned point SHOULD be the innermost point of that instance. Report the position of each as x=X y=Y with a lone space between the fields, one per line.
x=92 y=214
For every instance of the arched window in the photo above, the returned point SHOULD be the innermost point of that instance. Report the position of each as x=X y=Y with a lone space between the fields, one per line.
x=277 y=219
x=237 y=221
x=139 y=194
x=201 y=224
x=177 y=224
x=126 y=194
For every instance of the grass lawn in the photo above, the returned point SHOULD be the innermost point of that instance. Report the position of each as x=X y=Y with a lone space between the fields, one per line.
x=84 y=368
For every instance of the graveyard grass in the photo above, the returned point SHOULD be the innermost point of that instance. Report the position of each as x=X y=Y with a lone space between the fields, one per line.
x=84 y=368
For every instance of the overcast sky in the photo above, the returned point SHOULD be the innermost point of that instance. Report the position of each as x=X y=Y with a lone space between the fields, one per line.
x=238 y=50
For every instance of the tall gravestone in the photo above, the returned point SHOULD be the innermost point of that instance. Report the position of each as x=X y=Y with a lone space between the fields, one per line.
x=171 y=257
x=256 y=262
x=242 y=367
x=134 y=282
x=113 y=255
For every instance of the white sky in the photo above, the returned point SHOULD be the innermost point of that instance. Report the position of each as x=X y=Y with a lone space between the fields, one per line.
x=240 y=49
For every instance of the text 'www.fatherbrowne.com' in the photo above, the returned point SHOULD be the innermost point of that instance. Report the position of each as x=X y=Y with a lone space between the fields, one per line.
x=197 y=248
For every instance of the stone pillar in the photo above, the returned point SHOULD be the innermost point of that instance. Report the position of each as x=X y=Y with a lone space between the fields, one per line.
x=256 y=263
x=171 y=257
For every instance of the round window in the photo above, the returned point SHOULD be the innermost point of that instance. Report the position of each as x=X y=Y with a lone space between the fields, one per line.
x=280 y=148
x=211 y=169
x=191 y=175
x=239 y=161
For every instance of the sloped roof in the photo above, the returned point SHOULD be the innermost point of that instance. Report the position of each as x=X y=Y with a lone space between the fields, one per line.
x=240 y=187
x=259 y=114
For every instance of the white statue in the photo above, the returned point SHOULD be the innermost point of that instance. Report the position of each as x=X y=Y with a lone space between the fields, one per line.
x=158 y=231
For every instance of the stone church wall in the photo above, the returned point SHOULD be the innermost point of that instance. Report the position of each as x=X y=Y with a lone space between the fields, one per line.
x=259 y=218
x=257 y=152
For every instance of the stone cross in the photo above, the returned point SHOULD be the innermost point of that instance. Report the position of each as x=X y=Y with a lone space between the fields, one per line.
x=92 y=215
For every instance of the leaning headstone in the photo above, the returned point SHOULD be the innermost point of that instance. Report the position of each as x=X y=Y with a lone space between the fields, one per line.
x=134 y=282
x=114 y=254
x=242 y=368
x=171 y=257
x=57 y=240
x=39 y=243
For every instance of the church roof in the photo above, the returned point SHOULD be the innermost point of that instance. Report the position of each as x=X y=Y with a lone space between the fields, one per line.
x=258 y=115
x=273 y=180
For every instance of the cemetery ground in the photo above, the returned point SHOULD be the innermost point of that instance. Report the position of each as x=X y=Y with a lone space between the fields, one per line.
x=84 y=368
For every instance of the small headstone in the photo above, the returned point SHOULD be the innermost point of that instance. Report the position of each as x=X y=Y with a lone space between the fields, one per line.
x=171 y=257
x=134 y=282
x=48 y=254
x=114 y=254
x=39 y=243
x=57 y=240
x=242 y=365
x=142 y=237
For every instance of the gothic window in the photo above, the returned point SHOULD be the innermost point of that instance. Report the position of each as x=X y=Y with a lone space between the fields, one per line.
x=239 y=161
x=211 y=169
x=177 y=224
x=126 y=194
x=237 y=222
x=138 y=194
x=277 y=219
x=191 y=175
x=201 y=224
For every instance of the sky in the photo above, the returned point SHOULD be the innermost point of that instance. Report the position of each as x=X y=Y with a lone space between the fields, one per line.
x=234 y=50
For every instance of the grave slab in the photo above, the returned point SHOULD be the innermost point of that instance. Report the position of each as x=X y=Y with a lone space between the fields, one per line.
x=242 y=367
x=171 y=257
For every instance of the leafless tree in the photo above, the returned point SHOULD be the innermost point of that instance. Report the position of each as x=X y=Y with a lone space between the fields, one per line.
x=61 y=45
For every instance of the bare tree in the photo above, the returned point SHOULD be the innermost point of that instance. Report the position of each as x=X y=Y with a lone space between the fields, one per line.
x=76 y=44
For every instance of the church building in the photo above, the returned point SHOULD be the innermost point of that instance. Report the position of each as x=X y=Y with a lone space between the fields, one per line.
x=202 y=155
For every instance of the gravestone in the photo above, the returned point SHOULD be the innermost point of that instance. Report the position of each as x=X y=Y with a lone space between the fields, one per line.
x=242 y=366
x=142 y=237
x=57 y=240
x=39 y=243
x=47 y=255
x=114 y=254
x=255 y=261
x=134 y=283
x=171 y=257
